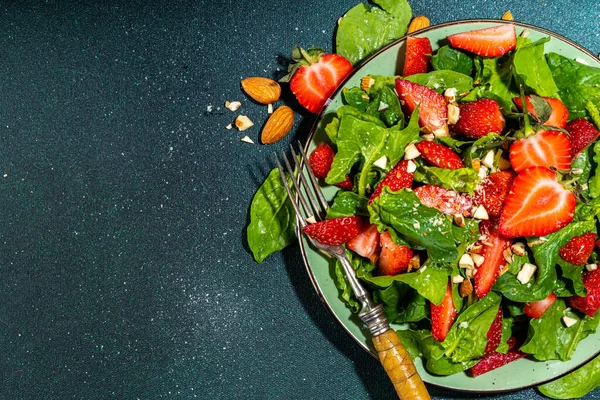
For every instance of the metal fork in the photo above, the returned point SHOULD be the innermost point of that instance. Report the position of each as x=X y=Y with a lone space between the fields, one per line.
x=310 y=204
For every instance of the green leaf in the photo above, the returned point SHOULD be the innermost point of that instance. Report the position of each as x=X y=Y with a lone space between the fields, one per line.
x=545 y=254
x=495 y=77
x=401 y=303
x=272 y=218
x=549 y=339
x=532 y=69
x=577 y=83
x=575 y=384
x=423 y=227
x=594 y=182
x=356 y=97
x=346 y=204
x=447 y=58
x=345 y=289
x=442 y=80
x=464 y=343
x=364 y=30
x=594 y=113
x=461 y=180
x=583 y=163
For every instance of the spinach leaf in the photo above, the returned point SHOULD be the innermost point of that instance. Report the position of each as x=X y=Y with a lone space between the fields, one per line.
x=575 y=384
x=429 y=281
x=423 y=227
x=549 y=339
x=346 y=204
x=272 y=218
x=577 y=83
x=364 y=30
x=442 y=80
x=386 y=105
x=495 y=77
x=461 y=180
x=545 y=255
x=451 y=59
x=464 y=343
x=366 y=142
x=582 y=162
x=594 y=182
x=410 y=339
x=531 y=68
x=401 y=303
x=345 y=289
x=572 y=274
x=481 y=147
x=507 y=324
x=356 y=97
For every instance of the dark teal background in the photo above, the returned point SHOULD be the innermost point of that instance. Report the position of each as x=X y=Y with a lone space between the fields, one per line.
x=124 y=267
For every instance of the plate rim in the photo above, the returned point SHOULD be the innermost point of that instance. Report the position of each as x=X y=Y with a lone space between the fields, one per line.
x=324 y=111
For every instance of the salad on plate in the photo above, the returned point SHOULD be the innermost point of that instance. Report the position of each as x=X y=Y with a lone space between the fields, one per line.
x=467 y=196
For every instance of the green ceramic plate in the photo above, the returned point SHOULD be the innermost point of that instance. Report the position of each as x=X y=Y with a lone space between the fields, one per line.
x=517 y=375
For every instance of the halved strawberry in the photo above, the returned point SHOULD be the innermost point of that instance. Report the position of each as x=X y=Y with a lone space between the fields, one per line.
x=320 y=161
x=491 y=192
x=315 y=76
x=443 y=316
x=444 y=200
x=492 y=251
x=488 y=42
x=536 y=309
x=582 y=134
x=366 y=243
x=578 y=249
x=397 y=178
x=536 y=205
x=334 y=231
x=433 y=112
x=591 y=302
x=494 y=334
x=393 y=258
x=560 y=112
x=479 y=118
x=495 y=360
x=542 y=149
x=439 y=155
x=418 y=53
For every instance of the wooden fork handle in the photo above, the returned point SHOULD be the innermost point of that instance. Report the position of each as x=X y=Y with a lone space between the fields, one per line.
x=399 y=366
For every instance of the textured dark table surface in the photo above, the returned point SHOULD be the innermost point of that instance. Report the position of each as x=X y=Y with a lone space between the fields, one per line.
x=124 y=267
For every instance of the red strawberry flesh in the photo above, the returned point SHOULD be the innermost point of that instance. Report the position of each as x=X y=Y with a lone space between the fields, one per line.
x=334 y=231
x=536 y=205
x=433 y=110
x=366 y=243
x=439 y=155
x=542 y=149
x=418 y=53
x=559 y=116
x=443 y=316
x=578 y=249
x=495 y=360
x=494 y=334
x=444 y=200
x=492 y=251
x=536 y=309
x=591 y=302
x=320 y=160
x=582 y=134
x=393 y=259
x=491 y=192
x=479 y=118
x=488 y=42
x=396 y=179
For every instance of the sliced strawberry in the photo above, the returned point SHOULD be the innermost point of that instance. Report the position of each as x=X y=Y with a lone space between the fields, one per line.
x=418 y=53
x=559 y=116
x=491 y=192
x=536 y=205
x=578 y=249
x=334 y=231
x=492 y=251
x=443 y=316
x=582 y=134
x=591 y=302
x=536 y=309
x=396 y=179
x=444 y=200
x=495 y=360
x=479 y=118
x=393 y=258
x=433 y=112
x=317 y=76
x=439 y=155
x=366 y=243
x=488 y=42
x=494 y=334
x=320 y=161
x=542 y=149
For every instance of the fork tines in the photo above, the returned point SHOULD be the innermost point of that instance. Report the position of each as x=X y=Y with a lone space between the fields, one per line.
x=312 y=201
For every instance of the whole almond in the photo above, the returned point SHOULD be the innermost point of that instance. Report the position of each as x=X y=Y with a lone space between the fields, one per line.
x=263 y=90
x=418 y=23
x=278 y=125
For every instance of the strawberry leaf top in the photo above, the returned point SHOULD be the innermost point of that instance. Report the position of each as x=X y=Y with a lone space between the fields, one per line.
x=302 y=57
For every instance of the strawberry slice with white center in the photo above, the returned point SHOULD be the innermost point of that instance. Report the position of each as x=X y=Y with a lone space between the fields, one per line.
x=315 y=76
x=489 y=42
x=545 y=149
x=433 y=112
x=492 y=251
x=536 y=205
